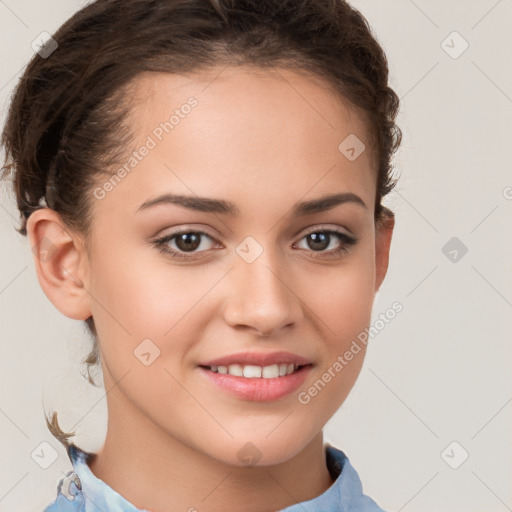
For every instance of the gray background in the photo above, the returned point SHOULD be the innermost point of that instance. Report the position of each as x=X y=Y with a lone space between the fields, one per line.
x=439 y=372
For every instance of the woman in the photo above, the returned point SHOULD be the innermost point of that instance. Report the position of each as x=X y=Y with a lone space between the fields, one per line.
x=202 y=182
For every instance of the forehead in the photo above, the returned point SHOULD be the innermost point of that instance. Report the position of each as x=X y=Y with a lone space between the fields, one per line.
x=234 y=130
x=234 y=89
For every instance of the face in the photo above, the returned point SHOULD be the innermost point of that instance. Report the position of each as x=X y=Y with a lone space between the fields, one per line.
x=173 y=287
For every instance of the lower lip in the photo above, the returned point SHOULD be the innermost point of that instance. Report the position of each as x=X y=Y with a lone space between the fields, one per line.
x=258 y=389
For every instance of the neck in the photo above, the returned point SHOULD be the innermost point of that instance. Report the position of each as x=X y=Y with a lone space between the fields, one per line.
x=154 y=470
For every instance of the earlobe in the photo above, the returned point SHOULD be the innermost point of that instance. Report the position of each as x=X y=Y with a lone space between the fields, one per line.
x=60 y=263
x=383 y=235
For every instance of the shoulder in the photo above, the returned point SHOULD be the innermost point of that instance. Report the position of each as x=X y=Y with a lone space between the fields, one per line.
x=348 y=486
x=80 y=489
x=346 y=492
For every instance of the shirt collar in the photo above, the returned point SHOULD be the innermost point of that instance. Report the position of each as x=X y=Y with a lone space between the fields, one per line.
x=89 y=494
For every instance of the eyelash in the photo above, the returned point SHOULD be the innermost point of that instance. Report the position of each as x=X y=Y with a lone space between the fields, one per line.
x=347 y=242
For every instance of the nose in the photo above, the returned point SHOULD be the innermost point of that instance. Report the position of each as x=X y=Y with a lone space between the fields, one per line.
x=262 y=296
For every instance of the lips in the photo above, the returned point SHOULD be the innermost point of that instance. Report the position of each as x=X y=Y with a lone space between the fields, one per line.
x=258 y=359
x=257 y=389
x=265 y=388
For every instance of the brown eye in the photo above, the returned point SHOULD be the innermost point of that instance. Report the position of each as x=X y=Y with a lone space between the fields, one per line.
x=178 y=244
x=188 y=241
x=318 y=241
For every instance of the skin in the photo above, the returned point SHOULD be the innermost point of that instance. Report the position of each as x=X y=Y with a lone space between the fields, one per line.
x=265 y=141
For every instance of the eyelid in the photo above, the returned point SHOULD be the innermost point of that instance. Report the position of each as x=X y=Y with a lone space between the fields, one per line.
x=179 y=231
x=185 y=228
x=325 y=227
x=347 y=240
x=301 y=233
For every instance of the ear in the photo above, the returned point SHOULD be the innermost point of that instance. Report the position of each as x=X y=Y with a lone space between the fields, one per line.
x=60 y=262
x=383 y=235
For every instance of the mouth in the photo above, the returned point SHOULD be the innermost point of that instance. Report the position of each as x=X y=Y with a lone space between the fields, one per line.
x=257 y=383
x=247 y=371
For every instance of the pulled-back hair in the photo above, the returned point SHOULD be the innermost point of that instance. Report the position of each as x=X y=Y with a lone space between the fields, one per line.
x=65 y=122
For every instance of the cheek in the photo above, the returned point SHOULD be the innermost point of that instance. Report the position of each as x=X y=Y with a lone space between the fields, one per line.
x=146 y=297
x=343 y=298
x=136 y=292
x=344 y=304
x=345 y=313
x=140 y=291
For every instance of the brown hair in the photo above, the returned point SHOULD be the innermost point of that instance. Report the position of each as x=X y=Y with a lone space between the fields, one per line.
x=64 y=126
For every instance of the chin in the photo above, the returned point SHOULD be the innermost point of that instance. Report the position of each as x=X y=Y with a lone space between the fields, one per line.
x=259 y=450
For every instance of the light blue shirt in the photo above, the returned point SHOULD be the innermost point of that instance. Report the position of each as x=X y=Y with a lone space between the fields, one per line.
x=81 y=491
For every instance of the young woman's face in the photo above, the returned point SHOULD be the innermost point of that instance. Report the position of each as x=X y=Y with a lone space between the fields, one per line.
x=261 y=279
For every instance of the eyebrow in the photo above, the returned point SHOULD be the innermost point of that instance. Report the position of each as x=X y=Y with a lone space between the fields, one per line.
x=204 y=204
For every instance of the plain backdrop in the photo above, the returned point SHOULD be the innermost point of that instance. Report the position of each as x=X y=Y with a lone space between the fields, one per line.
x=428 y=423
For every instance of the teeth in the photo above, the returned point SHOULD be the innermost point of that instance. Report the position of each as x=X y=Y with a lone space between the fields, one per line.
x=270 y=372
x=253 y=372
x=236 y=369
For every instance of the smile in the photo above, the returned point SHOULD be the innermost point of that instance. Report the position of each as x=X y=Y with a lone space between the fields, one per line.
x=257 y=383
x=255 y=372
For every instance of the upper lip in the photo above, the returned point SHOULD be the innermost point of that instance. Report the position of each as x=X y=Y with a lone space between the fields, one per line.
x=258 y=359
